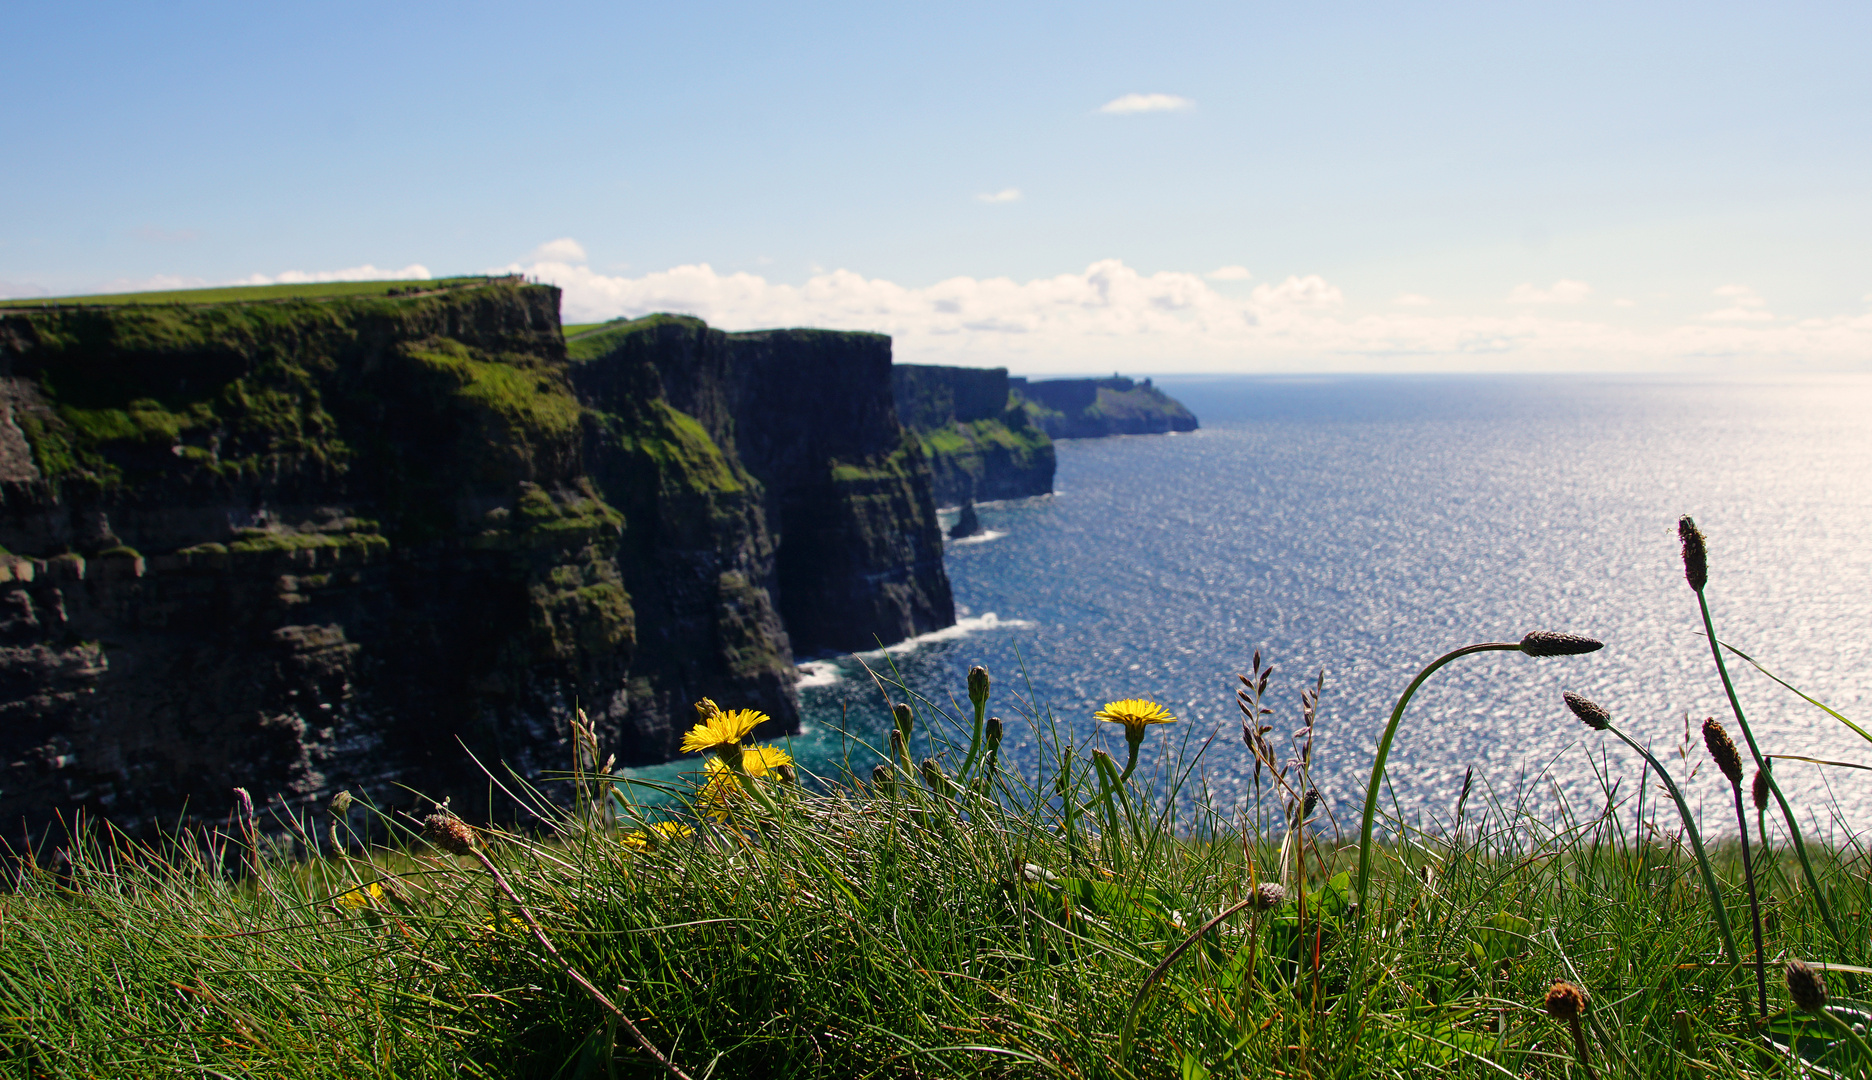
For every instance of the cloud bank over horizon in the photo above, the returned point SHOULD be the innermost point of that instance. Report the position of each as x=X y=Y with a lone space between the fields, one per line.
x=1111 y=315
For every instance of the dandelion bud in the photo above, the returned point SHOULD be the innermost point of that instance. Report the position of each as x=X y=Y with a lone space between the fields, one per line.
x=993 y=733
x=933 y=777
x=449 y=833
x=341 y=803
x=1761 y=789
x=897 y=745
x=1588 y=710
x=1805 y=986
x=1550 y=643
x=1267 y=896
x=978 y=685
x=1565 y=1001
x=883 y=779
x=905 y=718
x=1723 y=750
x=1695 y=553
x=706 y=709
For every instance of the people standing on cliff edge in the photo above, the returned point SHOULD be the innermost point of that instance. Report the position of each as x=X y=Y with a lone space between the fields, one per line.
x=968 y=524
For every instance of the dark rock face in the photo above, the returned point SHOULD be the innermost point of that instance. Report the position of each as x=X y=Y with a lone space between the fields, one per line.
x=981 y=445
x=810 y=416
x=968 y=523
x=300 y=545
x=1092 y=408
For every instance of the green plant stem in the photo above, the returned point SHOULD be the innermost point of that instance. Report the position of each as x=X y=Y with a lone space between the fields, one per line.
x=1851 y=1036
x=571 y=972
x=1748 y=877
x=1787 y=811
x=1384 y=751
x=1129 y=1031
x=1131 y=752
x=975 y=741
x=1579 y=1045
x=1696 y=846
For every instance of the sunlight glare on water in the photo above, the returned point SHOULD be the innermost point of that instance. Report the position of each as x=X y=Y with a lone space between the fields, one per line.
x=1366 y=525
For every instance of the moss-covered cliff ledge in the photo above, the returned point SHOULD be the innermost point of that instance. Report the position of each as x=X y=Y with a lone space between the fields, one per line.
x=290 y=542
x=980 y=443
x=1091 y=408
x=810 y=415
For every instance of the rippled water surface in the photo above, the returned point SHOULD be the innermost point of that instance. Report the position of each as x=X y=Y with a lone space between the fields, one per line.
x=1364 y=525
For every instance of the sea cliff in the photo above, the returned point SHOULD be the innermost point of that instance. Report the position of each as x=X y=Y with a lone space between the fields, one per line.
x=980 y=442
x=299 y=543
x=1091 y=408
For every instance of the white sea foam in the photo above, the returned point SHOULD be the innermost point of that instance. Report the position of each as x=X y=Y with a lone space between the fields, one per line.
x=815 y=673
x=988 y=620
x=980 y=537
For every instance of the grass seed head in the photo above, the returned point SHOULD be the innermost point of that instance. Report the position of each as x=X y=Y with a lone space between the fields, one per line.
x=1805 y=986
x=1723 y=750
x=1552 y=643
x=1565 y=1001
x=1309 y=803
x=1695 y=553
x=1760 y=789
x=1588 y=710
x=449 y=833
x=978 y=685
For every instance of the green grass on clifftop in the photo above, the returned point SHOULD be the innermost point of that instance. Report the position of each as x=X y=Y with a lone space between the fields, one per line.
x=233 y=294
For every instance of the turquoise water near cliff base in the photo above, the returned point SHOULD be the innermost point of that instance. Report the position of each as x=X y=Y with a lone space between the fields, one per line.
x=1364 y=525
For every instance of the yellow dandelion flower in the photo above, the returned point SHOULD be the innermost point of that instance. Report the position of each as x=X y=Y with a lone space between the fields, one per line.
x=665 y=831
x=722 y=785
x=722 y=729
x=1135 y=714
x=361 y=897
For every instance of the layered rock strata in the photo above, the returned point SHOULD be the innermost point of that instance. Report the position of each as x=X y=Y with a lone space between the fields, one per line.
x=302 y=544
x=980 y=442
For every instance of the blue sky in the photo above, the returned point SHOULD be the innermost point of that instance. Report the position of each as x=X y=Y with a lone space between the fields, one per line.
x=1346 y=187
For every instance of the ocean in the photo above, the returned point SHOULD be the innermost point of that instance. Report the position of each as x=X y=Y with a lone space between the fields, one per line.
x=1361 y=526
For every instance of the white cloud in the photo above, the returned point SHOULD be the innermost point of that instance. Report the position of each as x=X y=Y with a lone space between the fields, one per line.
x=1560 y=292
x=1411 y=299
x=153 y=283
x=1312 y=293
x=1110 y=315
x=1744 y=305
x=1623 y=302
x=1143 y=103
x=563 y=250
x=367 y=272
x=1229 y=273
x=1012 y=194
